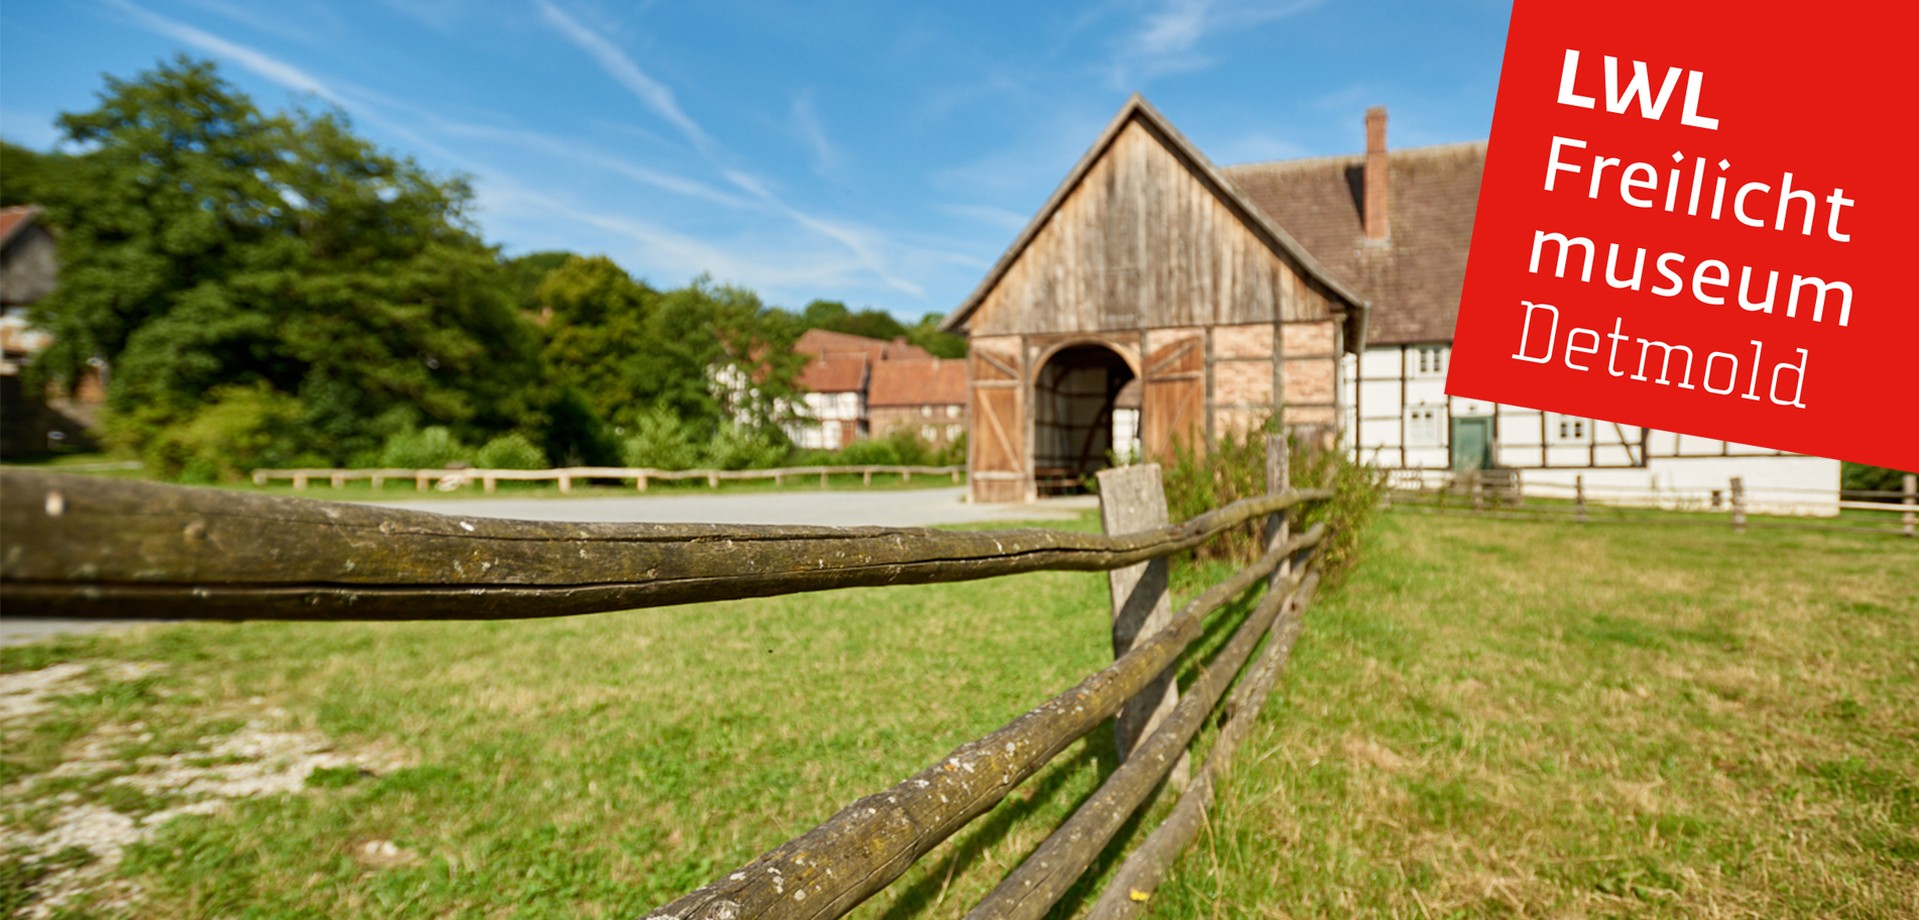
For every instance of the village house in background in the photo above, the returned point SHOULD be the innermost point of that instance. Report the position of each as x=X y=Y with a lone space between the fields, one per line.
x=1396 y=226
x=30 y=423
x=926 y=396
x=857 y=387
x=1331 y=282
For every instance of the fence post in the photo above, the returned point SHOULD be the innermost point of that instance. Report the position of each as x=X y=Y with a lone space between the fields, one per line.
x=1132 y=498
x=419 y=480
x=822 y=479
x=378 y=481
x=338 y=479
x=1477 y=485
x=866 y=477
x=566 y=483
x=779 y=479
x=1911 y=498
x=299 y=482
x=639 y=482
x=906 y=475
x=1279 y=525
x=1738 y=504
x=712 y=481
x=1579 y=496
x=489 y=483
x=956 y=475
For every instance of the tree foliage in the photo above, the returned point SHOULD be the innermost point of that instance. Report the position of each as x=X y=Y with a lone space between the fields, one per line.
x=269 y=287
x=206 y=244
x=707 y=354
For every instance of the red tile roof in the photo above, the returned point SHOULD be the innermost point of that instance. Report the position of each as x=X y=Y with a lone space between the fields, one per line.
x=1414 y=277
x=13 y=220
x=835 y=373
x=926 y=382
x=818 y=342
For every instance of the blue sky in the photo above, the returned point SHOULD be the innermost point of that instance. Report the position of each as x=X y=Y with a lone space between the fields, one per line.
x=883 y=154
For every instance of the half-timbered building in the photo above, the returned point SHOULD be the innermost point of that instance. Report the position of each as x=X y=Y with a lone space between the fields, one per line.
x=1322 y=290
x=1146 y=264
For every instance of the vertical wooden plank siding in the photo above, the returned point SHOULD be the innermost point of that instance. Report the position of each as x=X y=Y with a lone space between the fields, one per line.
x=1172 y=393
x=997 y=447
x=1143 y=243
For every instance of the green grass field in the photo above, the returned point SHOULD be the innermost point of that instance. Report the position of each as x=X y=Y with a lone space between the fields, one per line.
x=1487 y=718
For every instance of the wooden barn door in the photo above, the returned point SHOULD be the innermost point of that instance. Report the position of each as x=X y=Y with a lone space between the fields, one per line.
x=1173 y=401
x=997 y=452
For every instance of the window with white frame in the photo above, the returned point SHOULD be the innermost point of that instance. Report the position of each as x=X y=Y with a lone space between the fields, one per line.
x=1569 y=428
x=1423 y=425
x=1429 y=359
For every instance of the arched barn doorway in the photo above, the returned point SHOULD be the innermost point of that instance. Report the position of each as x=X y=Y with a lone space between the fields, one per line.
x=1075 y=414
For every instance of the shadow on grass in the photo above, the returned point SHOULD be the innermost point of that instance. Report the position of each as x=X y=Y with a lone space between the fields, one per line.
x=982 y=836
x=930 y=889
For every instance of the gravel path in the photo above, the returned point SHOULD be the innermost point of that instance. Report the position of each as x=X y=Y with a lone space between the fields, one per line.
x=901 y=508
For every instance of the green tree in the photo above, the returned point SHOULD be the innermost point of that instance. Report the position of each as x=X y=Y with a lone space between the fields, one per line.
x=926 y=334
x=207 y=244
x=24 y=174
x=596 y=334
x=528 y=271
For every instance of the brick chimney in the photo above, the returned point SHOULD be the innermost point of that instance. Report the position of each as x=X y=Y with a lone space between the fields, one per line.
x=1378 y=224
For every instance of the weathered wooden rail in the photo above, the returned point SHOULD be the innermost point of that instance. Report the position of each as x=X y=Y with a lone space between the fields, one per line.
x=90 y=547
x=1584 y=502
x=448 y=480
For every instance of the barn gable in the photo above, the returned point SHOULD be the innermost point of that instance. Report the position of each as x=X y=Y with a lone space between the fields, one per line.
x=1146 y=268
x=1145 y=233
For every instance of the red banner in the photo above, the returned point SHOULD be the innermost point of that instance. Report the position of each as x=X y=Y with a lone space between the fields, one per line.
x=1687 y=223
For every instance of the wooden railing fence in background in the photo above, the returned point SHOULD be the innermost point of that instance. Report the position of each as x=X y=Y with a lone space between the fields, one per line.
x=1504 y=493
x=90 y=547
x=447 y=480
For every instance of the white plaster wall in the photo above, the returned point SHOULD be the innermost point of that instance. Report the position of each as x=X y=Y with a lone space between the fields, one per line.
x=1604 y=453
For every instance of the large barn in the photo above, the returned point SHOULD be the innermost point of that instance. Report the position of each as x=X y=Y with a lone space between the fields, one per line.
x=1145 y=264
x=1333 y=282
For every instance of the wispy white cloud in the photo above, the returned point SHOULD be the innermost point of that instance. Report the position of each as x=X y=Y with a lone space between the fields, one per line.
x=865 y=244
x=812 y=133
x=827 y=254
x=776 y=267
x=584 y=153
x=267 y=66
x=1169 y=36
x=310 y=24
x=998 y=218
x=654 y=94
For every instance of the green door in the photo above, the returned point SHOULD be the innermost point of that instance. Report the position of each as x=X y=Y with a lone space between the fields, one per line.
x=1472 y=443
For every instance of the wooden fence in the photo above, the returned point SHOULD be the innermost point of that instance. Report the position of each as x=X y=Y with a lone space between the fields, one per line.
x=90 y=547
x=448 y=480
x=1504 y=493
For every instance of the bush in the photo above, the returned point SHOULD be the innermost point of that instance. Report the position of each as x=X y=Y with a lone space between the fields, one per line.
x=901 y=446
x=870 y=452
x=660 y=441
x=238 y=429
x=512 y=451
x=737 y=447
x=1863 y=478
x=423 y=449
x=1235 y=468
